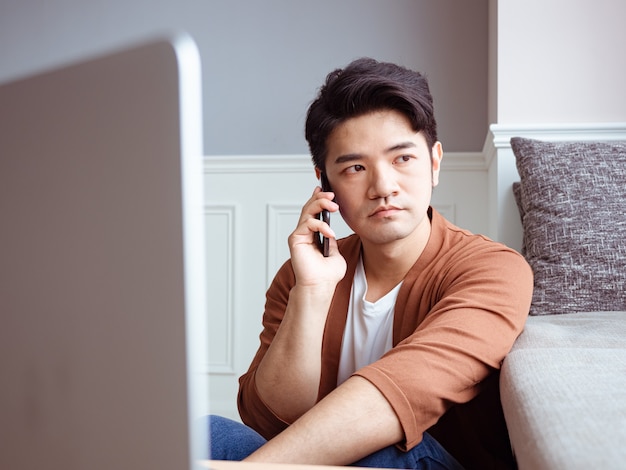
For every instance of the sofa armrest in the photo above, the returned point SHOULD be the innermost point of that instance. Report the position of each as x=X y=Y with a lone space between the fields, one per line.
x=563 y=392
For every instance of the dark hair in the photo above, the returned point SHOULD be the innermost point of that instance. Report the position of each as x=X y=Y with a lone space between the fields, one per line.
x=367 y=85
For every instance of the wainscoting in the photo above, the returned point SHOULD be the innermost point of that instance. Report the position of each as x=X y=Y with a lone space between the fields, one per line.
x=252 y=204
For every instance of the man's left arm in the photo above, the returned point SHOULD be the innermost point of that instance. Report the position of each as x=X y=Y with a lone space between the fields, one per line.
x=353 y=421
x=477 y=311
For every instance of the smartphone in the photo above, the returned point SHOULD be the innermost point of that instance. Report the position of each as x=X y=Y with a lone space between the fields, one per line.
x=325 y=216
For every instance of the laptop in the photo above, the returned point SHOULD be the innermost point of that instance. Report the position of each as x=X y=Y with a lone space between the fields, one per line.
x=102 y=309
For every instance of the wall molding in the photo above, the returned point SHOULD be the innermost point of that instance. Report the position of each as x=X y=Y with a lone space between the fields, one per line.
x=224 y=216
x=279 y=223
x=463 y=161
x=233 y=164
x=301 y=163
x=499 y=135
x=496 y=160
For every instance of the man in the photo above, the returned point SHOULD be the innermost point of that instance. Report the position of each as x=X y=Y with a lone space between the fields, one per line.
x=398 y=334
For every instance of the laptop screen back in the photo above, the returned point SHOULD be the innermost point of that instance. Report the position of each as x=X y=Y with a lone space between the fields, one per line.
x=101 y=263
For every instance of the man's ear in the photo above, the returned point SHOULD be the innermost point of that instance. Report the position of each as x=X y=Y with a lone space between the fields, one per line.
x=436 y=157
x=318 y=172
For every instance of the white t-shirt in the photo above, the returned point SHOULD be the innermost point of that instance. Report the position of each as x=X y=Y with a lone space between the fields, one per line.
x=369 y=327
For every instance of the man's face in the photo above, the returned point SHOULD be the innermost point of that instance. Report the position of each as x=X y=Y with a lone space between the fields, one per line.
x=382 y=173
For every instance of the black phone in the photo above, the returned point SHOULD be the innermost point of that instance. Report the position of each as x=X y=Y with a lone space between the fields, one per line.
x=325 y=216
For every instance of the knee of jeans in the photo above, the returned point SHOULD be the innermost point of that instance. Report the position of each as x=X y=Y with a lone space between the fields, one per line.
x=436 y=455
x=231 y=440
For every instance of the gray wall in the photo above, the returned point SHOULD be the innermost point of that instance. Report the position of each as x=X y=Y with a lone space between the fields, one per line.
x=264 y=60
x=572 y=68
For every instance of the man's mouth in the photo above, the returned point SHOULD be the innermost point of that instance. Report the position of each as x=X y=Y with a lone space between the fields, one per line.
x=385 y=211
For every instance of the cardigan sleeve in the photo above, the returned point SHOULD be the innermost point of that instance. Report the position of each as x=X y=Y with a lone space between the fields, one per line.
x=252 y=409
x=467 y=314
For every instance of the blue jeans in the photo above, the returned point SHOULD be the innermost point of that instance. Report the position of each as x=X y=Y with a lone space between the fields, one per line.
x=230 y=440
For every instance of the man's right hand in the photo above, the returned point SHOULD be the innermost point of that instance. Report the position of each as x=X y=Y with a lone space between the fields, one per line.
x=311 y=268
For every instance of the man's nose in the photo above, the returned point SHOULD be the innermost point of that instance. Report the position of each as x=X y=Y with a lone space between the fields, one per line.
x=382 y=183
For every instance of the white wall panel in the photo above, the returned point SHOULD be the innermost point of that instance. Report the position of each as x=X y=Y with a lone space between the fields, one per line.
x=281 y=219
x=220 y=247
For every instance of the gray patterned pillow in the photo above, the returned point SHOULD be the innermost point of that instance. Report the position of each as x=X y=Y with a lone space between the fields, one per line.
x=572 y=200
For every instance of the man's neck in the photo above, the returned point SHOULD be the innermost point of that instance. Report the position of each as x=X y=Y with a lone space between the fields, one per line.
x=387 y=265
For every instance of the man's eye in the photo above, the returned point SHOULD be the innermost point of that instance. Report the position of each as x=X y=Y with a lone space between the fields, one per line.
x=355 y=168
x=403 y=158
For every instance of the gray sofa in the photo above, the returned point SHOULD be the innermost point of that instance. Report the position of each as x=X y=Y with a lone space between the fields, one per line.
x=563 y=385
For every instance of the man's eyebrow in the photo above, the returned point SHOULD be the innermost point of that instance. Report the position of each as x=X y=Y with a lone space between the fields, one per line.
x=351 y=157
x=402 y=145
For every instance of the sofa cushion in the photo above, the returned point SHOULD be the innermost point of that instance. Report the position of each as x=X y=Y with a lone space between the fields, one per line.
x=563 y=392
x=572 y=201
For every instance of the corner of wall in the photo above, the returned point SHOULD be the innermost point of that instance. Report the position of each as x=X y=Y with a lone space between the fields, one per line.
x=504 y=221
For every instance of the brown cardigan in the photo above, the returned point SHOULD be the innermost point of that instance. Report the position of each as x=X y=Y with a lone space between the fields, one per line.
x=458 y=312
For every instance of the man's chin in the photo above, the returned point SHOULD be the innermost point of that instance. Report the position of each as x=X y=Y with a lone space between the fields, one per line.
x=385 y=236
